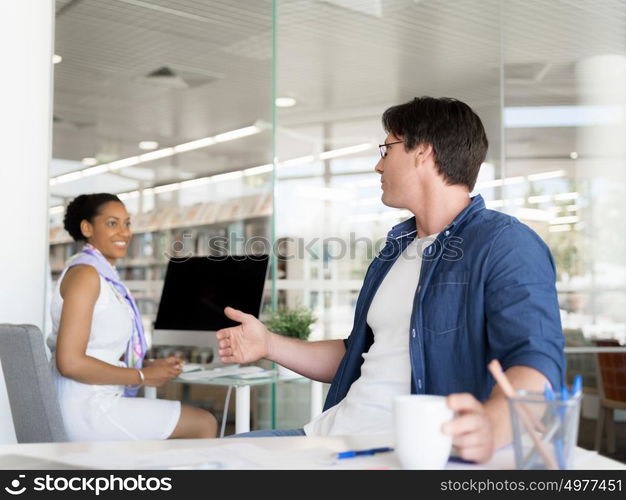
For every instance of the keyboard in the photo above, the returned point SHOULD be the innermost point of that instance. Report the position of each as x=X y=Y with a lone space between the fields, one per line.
x=192 y=367
x=226 y=371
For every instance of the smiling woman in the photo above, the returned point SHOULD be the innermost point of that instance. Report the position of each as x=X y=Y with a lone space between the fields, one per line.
x=95 y=323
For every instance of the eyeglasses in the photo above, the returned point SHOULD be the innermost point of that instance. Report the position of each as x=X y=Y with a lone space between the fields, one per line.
x=383 y=147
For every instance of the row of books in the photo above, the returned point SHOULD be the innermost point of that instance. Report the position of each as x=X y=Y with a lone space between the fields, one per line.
x=186 y=216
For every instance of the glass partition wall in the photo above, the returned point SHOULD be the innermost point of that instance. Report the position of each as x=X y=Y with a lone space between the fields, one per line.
x=547 y=79
x=343 y=64
x=564 y=94
x=257 y=104
x=168 y=105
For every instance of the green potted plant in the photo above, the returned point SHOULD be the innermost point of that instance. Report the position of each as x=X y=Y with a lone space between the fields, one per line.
x=295 y=323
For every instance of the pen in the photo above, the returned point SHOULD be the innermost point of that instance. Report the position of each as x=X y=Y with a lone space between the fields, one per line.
x=577 y=386
x=358 y=453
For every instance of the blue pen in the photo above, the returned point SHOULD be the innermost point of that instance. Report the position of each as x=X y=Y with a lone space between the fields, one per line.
x=558 y=441
x=359 y=453
x=577 y=386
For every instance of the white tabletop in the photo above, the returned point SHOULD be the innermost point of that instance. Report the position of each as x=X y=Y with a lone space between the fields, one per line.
x=240 y=453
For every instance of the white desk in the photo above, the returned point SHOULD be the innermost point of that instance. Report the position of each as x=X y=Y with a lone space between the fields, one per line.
x=242 y=453
x=242 y=393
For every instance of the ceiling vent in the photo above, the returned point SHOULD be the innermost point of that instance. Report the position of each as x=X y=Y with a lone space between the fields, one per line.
x=178 y=77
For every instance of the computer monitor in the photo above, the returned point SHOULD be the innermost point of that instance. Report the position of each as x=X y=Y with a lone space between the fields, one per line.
x=197 y=289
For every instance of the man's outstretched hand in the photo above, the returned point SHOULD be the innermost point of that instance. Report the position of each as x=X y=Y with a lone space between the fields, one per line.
x=244 y=343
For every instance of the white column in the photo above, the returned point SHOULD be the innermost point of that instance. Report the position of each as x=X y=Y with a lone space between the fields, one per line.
x=242 y=409
x=317 y=399
x=26 y=41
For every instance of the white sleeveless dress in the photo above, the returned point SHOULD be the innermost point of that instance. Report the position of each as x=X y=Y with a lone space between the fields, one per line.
x=101 y=412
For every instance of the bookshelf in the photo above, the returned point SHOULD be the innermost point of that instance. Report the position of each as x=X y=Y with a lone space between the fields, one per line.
x=174 y=231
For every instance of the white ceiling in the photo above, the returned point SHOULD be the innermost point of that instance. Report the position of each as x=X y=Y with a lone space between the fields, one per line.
x=344 y=60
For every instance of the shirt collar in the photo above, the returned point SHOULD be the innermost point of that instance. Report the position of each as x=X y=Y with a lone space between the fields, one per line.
x=408 y=227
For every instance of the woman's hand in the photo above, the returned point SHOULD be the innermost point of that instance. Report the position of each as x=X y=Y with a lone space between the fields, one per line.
x=162 y=370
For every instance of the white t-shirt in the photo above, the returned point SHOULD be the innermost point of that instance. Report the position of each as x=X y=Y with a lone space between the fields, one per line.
x=386 y=369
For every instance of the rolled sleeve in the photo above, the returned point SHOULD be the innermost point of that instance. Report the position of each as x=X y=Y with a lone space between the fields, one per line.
x=521 y=306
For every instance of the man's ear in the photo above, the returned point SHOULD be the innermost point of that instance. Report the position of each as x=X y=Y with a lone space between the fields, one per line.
x=86 y=228
x=423 y=152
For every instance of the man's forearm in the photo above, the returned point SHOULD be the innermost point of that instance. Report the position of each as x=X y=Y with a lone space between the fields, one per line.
x=497 y=407
x=315 y=360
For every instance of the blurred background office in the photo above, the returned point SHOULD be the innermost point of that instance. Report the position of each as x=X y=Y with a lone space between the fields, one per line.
x=257 y=122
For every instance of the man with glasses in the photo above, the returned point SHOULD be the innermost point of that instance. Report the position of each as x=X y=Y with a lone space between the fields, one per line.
x=455 y=286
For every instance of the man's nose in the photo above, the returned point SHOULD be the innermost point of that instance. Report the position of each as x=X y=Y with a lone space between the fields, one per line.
x=378 y=168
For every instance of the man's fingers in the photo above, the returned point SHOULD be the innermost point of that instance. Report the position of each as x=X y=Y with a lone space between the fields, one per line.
x=224 y=333
x=227 y=358
x=464 y=424
x=463 y=402
x=235 y=314
x=475 y=454
x=469 y=440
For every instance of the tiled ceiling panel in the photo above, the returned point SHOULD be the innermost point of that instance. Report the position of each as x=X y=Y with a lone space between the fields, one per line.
x=341 y=59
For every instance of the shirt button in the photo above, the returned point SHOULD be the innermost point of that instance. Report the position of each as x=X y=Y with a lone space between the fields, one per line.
x=413 y=332
x=419 y=288
x=419 y=383
x=446 y=233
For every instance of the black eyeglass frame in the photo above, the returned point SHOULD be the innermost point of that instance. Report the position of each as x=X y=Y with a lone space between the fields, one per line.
x=383 y=147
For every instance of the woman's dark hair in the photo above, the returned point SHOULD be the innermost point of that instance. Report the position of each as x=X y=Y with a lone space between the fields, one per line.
x=84 y=207
x=454 y=131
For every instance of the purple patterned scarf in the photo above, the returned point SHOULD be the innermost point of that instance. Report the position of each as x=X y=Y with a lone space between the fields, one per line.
x=137 y=345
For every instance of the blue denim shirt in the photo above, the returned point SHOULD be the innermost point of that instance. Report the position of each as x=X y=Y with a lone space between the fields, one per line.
x=486 y=290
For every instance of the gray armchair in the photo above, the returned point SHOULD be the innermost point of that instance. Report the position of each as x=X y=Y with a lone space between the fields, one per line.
x=32 y=395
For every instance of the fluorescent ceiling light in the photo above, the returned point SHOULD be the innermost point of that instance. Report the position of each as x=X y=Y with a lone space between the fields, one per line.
x=533 y=214
x=261 y=169
x=200 y=181
x=547 y=175
x=89 y=161
x=197 y=144
x=345 y=151
x=566 y=196
x=562 y=116
x=539 y=199
x=237 y=134
x=125 y=162
x=560 y=228
x=228 y=176
x=156 y=155
x=301 y=160
x=166 y=188
x=163 y=153
x=571 y=219
x=148 y=145
x=500 y=182
x=56 y=59
x=59 y=209
x=98 y=169
x=285 y=102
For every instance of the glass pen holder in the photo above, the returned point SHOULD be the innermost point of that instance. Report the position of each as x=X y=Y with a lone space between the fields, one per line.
x=545 y=431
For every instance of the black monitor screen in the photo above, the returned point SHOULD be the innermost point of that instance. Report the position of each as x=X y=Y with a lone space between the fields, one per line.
x=197 y=289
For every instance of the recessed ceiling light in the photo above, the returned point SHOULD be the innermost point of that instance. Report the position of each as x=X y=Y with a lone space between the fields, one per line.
x=573 y=155
x=285 y=102
x=89 y=161
x=56 y=59
x=148 y=145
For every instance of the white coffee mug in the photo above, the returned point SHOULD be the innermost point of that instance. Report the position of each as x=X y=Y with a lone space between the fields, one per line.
x=420 y=442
